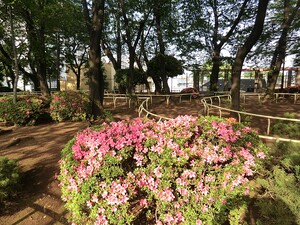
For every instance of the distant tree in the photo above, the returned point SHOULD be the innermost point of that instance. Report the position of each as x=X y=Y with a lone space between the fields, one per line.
x=139 y=77
x=75 y=46
x=171 y=68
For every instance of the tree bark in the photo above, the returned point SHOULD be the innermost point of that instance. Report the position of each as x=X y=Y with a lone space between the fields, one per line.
x=244 y=50
x=13 y=42
x=215 y=70
x=157 y=83
x=58 y=51
x=196 y=78
x=95 y=74
x=78 y=75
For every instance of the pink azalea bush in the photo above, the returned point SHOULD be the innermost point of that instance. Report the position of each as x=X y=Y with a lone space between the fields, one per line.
x=187 y=170
x=27 y=110
x=69 y=105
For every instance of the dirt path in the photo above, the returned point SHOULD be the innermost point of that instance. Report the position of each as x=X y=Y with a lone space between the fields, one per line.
x=37 y=150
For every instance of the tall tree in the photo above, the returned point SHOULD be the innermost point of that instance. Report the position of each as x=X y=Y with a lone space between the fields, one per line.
x=35 y=19
x=289 y=14
x=158 y=11
x=112 y=34
x=211 y=27
x=244 y=50
x=94 y=22
x=132 y=38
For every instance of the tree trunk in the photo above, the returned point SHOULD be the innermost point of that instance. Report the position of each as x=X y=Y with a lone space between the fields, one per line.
x=157 y=83
x=119 y=43
x=41 y=63
x=58 y=63
x=244 y=50
x=13 y=41
x=95 y=74
x=226 y=80
x=279 y=53
x=289 y=80
x=130 y=87
x=166 y=88
x=78 y=75
x=298 y=76
x=196 y=78
x=158 y=29
x=157 y=15
x=214 y=77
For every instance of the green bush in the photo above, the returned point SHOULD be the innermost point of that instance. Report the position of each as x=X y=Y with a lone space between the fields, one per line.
x=69 y=105
x=9 y=178
x=187 y=170
x=288 y=129
x=278 y=201
x=27 y=110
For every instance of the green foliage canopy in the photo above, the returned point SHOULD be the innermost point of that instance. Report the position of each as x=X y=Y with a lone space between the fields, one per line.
x=122 y=74
x=164 y=65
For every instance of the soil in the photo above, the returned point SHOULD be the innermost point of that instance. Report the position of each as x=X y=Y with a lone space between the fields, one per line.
x=37 y=150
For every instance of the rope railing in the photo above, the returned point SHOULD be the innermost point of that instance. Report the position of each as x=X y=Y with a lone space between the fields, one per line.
x=128 y=98
x=147 y=113
x=295 y=95
x=208 y=106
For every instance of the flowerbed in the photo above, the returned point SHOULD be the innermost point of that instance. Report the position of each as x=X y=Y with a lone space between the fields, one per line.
x=26 y=111
x=186 y=170
x=69 y=105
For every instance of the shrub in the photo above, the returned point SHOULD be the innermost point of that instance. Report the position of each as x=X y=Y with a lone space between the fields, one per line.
x=186 y=170
x=288 y=129
x=9 y=178
x=278 y=201
x=26 y=111
x=69 y=105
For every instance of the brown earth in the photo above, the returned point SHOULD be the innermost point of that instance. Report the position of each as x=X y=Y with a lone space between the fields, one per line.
x=37 y=150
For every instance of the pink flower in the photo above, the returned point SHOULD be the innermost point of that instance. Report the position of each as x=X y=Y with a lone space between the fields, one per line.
x=144 y=202
x=166 y=195
x=89 y=204
x=139 y=159
x=199 y=222
x=260 y=155
x=169 y=219
x=179 y=217
x=157 y=172
x=204 y=208
x=101 y=220
x=183 y=191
